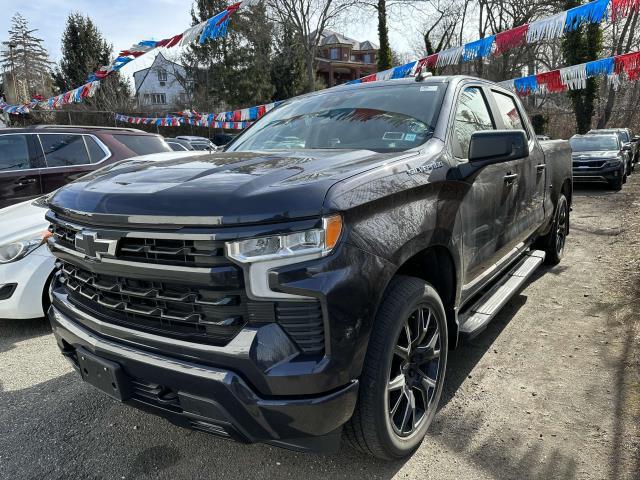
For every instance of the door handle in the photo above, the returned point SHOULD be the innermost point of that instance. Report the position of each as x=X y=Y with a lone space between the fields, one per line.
x=28 y=181
x=509 y=178
x=540 y=167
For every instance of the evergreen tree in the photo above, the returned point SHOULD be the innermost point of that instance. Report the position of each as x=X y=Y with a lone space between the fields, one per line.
x=25 y=56
x=579 y=46
x=288 y=74
x=384 y=53
x=234 y=71
x=84 y=50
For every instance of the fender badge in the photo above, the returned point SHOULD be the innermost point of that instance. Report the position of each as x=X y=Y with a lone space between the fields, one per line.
x=425 y=168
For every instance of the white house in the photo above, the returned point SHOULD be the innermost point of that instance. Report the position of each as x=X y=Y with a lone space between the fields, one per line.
x=161 y=86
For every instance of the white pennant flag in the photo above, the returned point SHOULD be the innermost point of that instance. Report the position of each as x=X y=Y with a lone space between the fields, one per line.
x=547 y=28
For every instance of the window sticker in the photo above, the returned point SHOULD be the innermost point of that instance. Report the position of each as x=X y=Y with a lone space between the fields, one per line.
x=429 y=88
x=410 y=137
x=393 y=136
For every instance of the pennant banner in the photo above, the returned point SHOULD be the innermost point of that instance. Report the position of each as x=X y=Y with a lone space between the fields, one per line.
x=213 y=28
x=544 y=29
x=575 y=77
x=234 y=119
x=76 y=95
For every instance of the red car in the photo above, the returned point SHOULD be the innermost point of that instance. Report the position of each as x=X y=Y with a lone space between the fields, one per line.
x=37 y=160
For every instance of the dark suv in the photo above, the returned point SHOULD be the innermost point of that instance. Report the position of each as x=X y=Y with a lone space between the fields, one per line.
x=37 y=160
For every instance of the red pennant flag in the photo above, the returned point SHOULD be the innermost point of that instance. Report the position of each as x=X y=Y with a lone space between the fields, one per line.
x=511 y=39
x=552 y=81
x=369 y=78
x=628 y=63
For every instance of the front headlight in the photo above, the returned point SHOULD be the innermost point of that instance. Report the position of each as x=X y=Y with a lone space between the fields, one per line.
x=319 y=241
x=18 y=250
x=613 y=162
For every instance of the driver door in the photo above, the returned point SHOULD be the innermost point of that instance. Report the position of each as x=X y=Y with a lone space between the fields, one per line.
x=489 y=202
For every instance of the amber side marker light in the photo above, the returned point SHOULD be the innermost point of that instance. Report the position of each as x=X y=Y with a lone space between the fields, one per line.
x=332 y=227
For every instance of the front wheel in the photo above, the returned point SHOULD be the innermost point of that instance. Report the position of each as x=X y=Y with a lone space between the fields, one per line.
x=403 y=372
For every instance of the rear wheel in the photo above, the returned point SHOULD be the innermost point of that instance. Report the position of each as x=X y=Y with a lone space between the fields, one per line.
x=403 y=373
x=553 y=243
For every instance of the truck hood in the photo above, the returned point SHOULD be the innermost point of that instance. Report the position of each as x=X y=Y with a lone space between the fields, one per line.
x=217 y=188
x=22 y=221
x=594 y=154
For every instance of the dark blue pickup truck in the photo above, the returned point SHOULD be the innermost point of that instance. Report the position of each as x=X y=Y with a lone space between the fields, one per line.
x=306 y=284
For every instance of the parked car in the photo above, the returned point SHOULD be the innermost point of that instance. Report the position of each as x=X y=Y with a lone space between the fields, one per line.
x=281 y=294
x=198 y=143
x=26 y=264
x=600 y=158
x=628 y=143
x=222 y=139
x=38 y=160
x=178 y=145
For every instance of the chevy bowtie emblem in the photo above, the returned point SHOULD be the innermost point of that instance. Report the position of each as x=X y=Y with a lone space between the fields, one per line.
x=87 y=242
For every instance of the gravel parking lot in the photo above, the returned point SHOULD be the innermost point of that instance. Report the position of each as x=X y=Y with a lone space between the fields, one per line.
x=550 y=390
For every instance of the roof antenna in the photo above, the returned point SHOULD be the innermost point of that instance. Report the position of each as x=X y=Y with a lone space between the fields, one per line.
x=421 y=75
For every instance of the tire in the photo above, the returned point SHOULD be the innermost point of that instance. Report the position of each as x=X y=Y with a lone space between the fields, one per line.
x=373 y=429
x=553 y=243
x=616 y=184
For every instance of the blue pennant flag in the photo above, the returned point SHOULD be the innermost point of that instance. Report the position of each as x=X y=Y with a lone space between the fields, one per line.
x=402 y=71
x=478 y=48
x=592 y=12
x=600 y=67
x=526 y=84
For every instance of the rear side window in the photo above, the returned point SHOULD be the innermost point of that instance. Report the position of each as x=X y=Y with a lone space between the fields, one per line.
x=14 y=152
x=472 y=115
x=63 y=150
x=509 y=112
x=143 y=144
x=96 y=153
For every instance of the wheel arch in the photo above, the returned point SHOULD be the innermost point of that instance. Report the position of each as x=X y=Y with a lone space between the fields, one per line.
x=438 y=266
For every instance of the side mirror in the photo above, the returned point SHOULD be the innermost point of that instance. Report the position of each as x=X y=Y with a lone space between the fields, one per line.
x=495 y=146
x=636 y=138
x=626 y=147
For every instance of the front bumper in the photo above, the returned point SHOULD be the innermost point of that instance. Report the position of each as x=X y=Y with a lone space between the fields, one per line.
x=30 y=277
x=214 y=400
x=604 y=174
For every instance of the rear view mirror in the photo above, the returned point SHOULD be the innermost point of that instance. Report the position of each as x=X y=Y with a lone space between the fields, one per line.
x=495 y=146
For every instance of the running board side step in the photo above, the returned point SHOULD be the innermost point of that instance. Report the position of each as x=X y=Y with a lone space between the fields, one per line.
x=476 y=318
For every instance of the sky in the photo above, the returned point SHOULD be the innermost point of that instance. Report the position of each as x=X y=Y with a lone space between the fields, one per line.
x=125 y=22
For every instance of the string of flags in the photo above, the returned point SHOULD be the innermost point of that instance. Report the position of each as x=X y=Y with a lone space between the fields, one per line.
x=233 y=120
x=76 y=95
x=546 y=28
x=211 y=29
x=575 y=77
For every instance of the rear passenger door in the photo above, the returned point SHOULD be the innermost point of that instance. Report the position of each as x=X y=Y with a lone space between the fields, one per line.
x=528 y=213
x=69 y=156
x=19 y=169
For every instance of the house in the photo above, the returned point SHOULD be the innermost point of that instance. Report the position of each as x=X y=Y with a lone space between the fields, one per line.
x=162 y=86
x=341 y=59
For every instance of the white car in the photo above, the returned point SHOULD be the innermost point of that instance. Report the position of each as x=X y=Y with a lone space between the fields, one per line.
x=26 y=265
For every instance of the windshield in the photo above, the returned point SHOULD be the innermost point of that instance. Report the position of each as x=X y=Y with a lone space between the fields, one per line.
x=594 y=143
x=382 y=119
x=143 y=144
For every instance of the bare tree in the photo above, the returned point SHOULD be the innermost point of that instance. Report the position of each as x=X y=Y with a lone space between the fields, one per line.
x=309 y=18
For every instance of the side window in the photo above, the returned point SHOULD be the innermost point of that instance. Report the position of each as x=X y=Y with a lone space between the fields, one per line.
x=96 y=153
x=472 y=115
x=509 y=112
x=14 y=152
x=61 y=150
